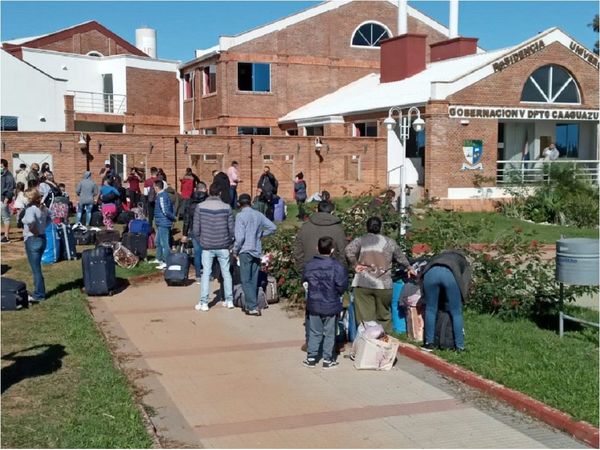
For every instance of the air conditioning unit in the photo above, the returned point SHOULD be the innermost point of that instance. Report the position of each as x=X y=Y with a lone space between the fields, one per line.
x=194 y=132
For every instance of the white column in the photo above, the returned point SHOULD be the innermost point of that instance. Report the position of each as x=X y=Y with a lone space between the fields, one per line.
x=453 y=19
x=181 y=126
x=402 y=17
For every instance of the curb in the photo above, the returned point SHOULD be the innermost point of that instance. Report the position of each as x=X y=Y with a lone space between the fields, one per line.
x=582 y=431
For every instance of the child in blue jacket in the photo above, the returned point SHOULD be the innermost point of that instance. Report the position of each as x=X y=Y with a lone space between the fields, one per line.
x=327 y=280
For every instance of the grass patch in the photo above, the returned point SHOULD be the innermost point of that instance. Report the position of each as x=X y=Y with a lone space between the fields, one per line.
x=64 y=391
x=501 y=224
x=562 y=373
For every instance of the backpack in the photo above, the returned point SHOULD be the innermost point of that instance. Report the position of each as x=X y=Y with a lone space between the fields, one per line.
x=21 y=215
x=54 y=192
x=109 y=198
x=444 y=332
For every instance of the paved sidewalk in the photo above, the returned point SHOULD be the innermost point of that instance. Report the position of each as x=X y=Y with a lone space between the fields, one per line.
x=223 y=379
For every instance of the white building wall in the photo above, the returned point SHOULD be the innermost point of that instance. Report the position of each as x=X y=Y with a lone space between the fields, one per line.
x=29 y=94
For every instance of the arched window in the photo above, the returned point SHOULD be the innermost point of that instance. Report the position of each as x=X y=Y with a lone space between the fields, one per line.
x=370 y=34
x=95 y=53
x=551 y=84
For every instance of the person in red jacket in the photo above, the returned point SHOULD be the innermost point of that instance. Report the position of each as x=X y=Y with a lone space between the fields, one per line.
x=133 y=190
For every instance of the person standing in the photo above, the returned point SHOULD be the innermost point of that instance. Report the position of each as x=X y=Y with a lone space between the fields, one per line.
x=33 y=177
x=327 y=280
x=164 y=216
x=150 y=194
x=21 y=174
x=300 y=194
x=188 y=184
x=250 y=227
x=86 y=190
x=267 y=189
x=188 y=226
x=35 y=220
x=234 y=179
x=371 y=256
x=8 y=192
x=222 y=181
x=214 y=229
x=109 y=198
x=133 y=187
x=448 y=272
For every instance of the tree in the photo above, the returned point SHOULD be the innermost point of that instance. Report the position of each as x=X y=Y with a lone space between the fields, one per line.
x=594 y=26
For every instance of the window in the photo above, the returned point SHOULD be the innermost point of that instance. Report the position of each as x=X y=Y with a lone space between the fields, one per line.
x=267 y=158
x=188 y=82
x=314 y=131
x=567 y=139
x=415 y=145
x=263 y=131
x=9 y=123
x=254 y=77
x=119 y=164
x=352 y=167
x=292 y=132
x=95 y=54
x=370 y=34
x=365 y=129
x=210 y=79
x=209 y=131
x=550 y=84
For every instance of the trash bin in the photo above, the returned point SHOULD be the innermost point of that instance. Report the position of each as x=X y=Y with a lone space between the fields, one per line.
x=398 y=311
x=577 y=261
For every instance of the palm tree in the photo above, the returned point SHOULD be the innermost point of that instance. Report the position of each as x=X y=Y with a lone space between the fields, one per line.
x=594 y=26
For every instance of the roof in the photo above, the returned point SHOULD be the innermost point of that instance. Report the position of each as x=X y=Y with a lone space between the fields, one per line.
x=226 y=42
x=45 y=39
x=438 y=81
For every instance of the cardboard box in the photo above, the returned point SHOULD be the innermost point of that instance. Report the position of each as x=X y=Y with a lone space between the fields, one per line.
x=375 y=354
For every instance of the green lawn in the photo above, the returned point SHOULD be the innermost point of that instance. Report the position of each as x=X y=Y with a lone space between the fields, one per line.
x=60 y=386
x=500 y=224
x=562 y=373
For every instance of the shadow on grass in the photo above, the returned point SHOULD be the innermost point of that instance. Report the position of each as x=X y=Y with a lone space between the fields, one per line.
x=31 y=365
x=64 y=287
x=5 y=268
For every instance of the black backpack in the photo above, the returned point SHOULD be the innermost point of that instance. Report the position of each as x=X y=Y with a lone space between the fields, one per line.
x=21 y=215
x=444 y=332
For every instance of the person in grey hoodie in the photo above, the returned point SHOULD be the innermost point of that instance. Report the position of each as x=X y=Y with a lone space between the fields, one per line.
x=87 y=190
x=320 y=224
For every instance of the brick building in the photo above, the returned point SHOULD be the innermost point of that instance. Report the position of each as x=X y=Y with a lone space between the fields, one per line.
x=246 y=82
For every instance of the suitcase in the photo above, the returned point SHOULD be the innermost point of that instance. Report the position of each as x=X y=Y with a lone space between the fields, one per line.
x=97 y=219
x=125 y=217
x=178 y=266
x=52 y=251
x=269 y=286
x=84 y=237
x=68 y=248
x=140 y=226
x=137 y=243
x=444 y=332
x=14 y=294
x=279 y=210
x=107 y=236
x=99 y=271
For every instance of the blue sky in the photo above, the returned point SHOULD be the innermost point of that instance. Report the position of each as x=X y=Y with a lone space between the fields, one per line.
x=183 y=27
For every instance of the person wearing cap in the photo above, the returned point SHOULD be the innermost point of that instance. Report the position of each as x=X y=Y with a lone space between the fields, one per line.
x=250 y=227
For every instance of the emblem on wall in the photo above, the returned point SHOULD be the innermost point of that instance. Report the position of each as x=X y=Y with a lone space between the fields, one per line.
x=473 y=151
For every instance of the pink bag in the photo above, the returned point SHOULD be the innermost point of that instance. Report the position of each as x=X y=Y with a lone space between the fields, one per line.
x=151 y=241
x=415 y=322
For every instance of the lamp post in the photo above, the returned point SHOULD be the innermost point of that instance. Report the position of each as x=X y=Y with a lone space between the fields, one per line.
x=404 y=131
x=84 y=146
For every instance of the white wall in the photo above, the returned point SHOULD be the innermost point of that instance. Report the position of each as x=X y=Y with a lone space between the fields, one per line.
x=27 y=93
x=588 y=140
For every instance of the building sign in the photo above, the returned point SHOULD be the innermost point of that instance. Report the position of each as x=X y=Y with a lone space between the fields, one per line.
x=518 y=55
x=585 y=54
x=503 y=112
x=473 y=150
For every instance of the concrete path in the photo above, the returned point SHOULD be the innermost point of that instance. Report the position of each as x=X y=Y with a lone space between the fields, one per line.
x=223 y=379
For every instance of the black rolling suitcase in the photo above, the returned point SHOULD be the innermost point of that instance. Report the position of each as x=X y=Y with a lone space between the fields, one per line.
x=178 y=266
x=137 y=243
x=108 y=236
x=99 y=271
x=97 y=220
x=84 y=237
x=125 y=217
x=14 y=294
x=68 y=248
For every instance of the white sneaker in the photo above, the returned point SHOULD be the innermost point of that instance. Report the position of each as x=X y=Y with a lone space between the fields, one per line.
x=155 y=261
x=198 y=281
x=161 y=266
x=229 y=304
x=201 y=307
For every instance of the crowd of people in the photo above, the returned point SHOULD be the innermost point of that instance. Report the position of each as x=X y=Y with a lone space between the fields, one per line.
x=322 y=252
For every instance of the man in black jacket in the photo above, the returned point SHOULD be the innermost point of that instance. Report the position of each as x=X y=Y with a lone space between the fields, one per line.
x=198 y=196
x=267 y=189
x=8 y=191
x=222 y=180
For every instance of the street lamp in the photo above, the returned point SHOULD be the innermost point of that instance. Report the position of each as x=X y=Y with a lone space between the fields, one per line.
x=84 y=146
x=404 y=123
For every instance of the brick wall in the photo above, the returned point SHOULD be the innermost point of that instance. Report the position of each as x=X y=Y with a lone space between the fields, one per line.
x=168 y=152
x=82 y=43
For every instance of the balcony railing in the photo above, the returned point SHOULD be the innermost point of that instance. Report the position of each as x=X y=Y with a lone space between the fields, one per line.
x=99 y=102
x=537 y=171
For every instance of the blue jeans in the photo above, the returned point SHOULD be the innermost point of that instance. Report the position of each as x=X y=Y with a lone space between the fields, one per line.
x=436 y=279
x=88 y=213
x=163 y=234
x=207 y=259
x=34 y=247
x=321 y=328
x=197 y=257
x=233 y=195
x=249 y=266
